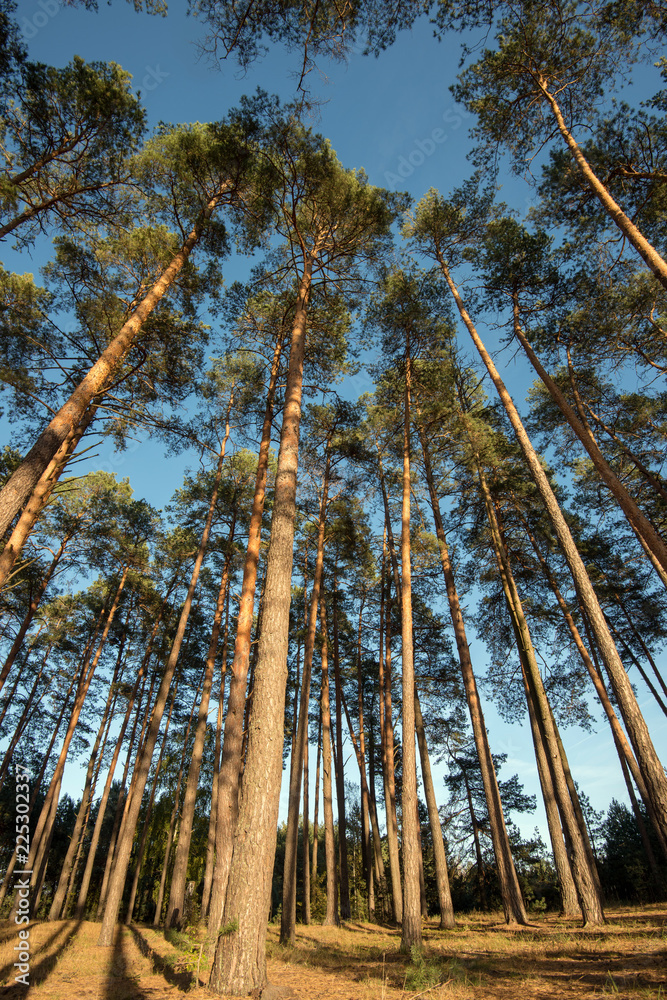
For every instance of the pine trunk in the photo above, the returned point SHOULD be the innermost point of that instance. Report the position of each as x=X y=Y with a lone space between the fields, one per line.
x=411 y=936
x=288 y=915
x=174 y=917
x=645 y=754
x=232 y=748
x=142 y=766
x=441 y=874
x=331 y=918
x=240 y=958
x=19 y=487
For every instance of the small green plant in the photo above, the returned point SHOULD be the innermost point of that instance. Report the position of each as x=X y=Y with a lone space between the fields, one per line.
x=423 y=974
x=229 y=928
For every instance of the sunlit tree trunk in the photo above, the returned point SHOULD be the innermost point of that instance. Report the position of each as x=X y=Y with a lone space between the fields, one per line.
x=441 y=874
x=141 y=846
x=19 y=487
x=174 y=915
x=645 y=754
x=232 y=748
x=240 y=957
x=344 y=885
x=331 y=918
x=143 y=763
x=288 y=915
x=411 y=936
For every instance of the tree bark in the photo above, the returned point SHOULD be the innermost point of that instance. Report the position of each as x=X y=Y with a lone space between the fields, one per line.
x=646 y=251
x=344 y=887
x=240 y=958
x=232 y=748
x=510 y=889
x=646 y=756
x=22 y=482
x=411 y=928
x=331 y=918
x=288 y=915
x=441 y=874
x=174 y=916
x=142 y=766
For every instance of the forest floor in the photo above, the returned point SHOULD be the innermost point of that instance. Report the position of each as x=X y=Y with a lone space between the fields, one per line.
x=480 y=960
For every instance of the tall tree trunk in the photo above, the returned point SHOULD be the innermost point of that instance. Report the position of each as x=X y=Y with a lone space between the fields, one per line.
x=583 y=871
x=232 y=747
x=577 y=421
x=22 y=482
x=142 y=766
x=630 y=232
x=389 y=776
x=240 y=958
x=441 y=874
x=646 y=756
x=411 y=936
x=43 y=831
x=331 y=918
x=344 y=887
x=288 y=915
x=210 y=843
x=174 y=915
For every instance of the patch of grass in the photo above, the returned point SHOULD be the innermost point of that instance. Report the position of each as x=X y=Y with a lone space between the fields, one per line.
x=422 y=973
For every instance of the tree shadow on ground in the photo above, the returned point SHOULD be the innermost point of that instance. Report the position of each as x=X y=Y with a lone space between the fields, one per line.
x=120 y=983
x=59 y=940
x=183 y=979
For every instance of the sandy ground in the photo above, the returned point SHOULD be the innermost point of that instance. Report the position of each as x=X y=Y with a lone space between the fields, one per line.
x=480 y=959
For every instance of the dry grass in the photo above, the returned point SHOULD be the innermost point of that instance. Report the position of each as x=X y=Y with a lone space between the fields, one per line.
x=480 y=960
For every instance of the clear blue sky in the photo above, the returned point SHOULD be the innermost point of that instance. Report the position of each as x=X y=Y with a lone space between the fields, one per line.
x=395 y=117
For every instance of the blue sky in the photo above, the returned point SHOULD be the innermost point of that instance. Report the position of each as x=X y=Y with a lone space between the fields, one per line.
x=395 y=117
